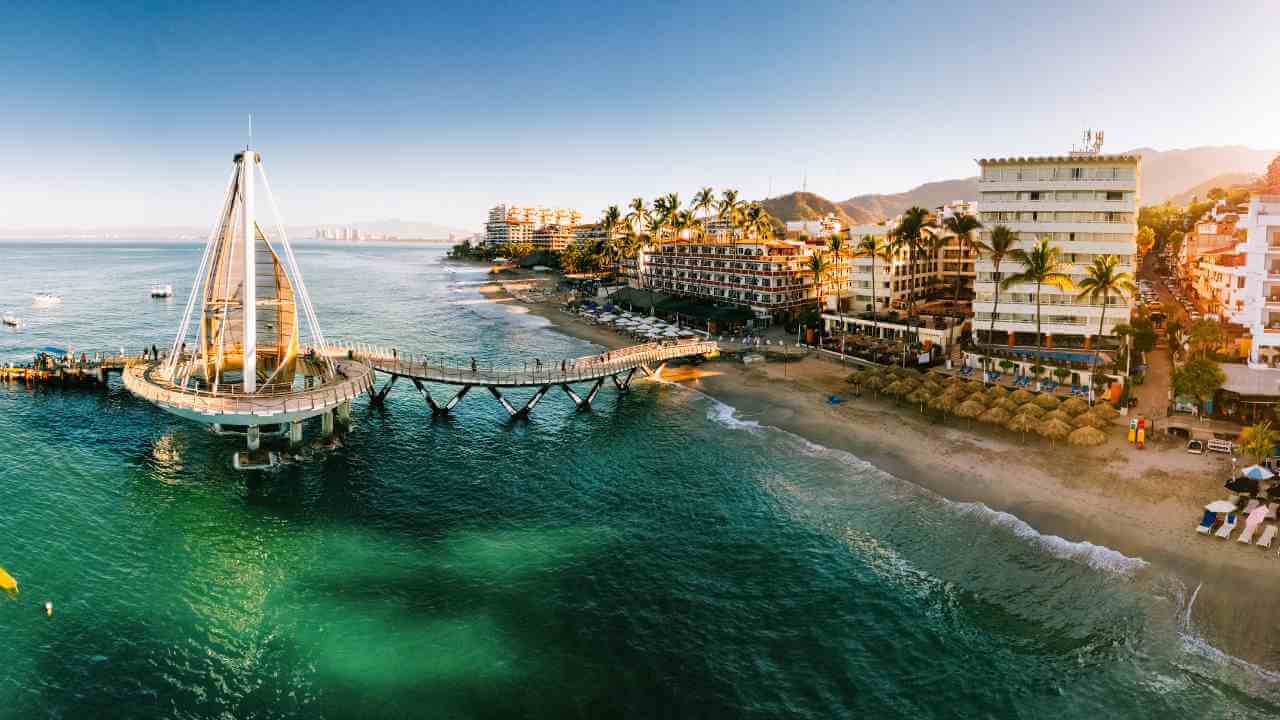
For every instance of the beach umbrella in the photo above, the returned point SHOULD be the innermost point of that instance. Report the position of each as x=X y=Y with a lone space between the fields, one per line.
x=904 y=372
x=1022 y=423
x=1048 y=402
x=932 y=385
x=1087 y=436
x=873 y=382
x=944 y=402
x=919 y=397
x=1057 y=415
x=995 y=416
x=1257 y=472
x=975 y=386
x=1074 y=406
x=997 y=393
x=1221 y=506
x=1021 y=396
x=1033 y=410
x=1008 y=405
x=855 y=377
x=1089 y=420
x=1105 y=411
x=1242 y=484
x=970 y=409
x=977 y=397
x=1053 y=429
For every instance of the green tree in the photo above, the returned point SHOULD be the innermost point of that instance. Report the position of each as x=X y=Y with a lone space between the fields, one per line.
x=1041 y=265
x=1102 y=283
x=730 y=210
x=1174 y=242
x=704 y=201
x=820 y=267
x=875 y=248
x=1217 y=193
x=1259 y=441
x=1207 y=337
x=1200 y=378
x=996 y=249
x=757 y=222
x=1146 y=240
x=962 y=225
x=909 y=235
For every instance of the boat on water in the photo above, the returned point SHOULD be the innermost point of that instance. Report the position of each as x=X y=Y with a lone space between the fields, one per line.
x=10 y=320
x=46 y=299
x=161 y=291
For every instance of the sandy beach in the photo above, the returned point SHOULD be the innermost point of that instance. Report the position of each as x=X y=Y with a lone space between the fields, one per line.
x=1143 y=504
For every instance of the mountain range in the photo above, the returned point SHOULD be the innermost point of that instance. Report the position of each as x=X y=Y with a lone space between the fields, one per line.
x=1166 y=175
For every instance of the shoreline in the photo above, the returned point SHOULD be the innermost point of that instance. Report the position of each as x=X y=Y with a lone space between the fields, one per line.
x=1142 y=504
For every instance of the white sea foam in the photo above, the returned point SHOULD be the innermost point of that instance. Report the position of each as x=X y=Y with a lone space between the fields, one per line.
x=1095 y=556
x=1196 y=645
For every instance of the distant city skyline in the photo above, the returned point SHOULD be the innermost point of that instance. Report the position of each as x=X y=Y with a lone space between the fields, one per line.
x=119 y=116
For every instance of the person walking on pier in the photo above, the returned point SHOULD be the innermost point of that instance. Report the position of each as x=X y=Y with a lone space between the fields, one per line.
x=562 y=366
x=155 y=354
x=473 y=364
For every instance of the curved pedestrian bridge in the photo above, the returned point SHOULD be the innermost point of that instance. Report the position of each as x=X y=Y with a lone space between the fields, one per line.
x=619 y=365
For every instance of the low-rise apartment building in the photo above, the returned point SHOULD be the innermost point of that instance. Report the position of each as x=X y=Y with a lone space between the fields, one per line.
x=1259 y=309
x=770 y=277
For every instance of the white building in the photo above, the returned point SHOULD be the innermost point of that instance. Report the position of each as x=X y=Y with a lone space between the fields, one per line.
x=1260 y=278
x=544 y=228
x=1085 y=204
x=893 y=279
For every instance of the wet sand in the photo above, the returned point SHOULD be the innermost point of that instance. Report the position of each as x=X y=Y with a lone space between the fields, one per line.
x=1144 y=504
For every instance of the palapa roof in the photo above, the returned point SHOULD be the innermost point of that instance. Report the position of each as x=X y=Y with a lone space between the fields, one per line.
x=1087 y=436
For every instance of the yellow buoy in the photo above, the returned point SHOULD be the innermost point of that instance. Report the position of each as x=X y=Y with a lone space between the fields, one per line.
x=7 y=583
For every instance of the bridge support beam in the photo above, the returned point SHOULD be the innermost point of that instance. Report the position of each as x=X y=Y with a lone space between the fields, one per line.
x=295 y=433
x=326 y=423
x=377 y=396
x=656 y=374
x=523 y=412
x=584 y=403
x=437 y=408
x=624 y=384
x=253 y=437
x=343 y=411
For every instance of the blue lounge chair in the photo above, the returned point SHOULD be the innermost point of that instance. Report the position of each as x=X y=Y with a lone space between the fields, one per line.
x=1075 y=389
x=1206 y=522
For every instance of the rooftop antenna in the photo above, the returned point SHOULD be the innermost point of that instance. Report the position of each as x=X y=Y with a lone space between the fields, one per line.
x=804 y=182
x=250 y=143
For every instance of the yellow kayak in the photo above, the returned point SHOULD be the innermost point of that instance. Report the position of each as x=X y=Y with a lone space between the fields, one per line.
x=7 y=582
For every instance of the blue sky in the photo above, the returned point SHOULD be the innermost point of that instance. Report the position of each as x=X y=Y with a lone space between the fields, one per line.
x=129 y=116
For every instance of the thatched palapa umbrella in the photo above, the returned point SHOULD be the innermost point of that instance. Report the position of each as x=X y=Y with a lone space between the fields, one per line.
x=1089 y=420
x=1074 y=406
x=1057 y=415
x=1021 y=396
x=997 y=393
x=873 y=382
x=1054 y=429
x=919 y=398
x=1032 y=409
x=1022 y=423
x=995 y=416
x=1105 y=411
x=896 y=388
x=970 y=409
x=1087 y=436
x=1008 y=405
x=979 y=398
x=1046 y=401
x=975 y=386
x=945 y=402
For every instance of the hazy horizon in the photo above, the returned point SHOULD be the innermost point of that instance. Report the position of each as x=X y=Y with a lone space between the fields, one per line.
x=126 y=117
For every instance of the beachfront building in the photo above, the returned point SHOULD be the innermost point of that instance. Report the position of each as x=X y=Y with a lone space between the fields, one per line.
x=1257 y=304
x=1086 y=205
x=1213 y=234
x=894 y=279
x=544 y=228
x=814 y=229
x=769 y=277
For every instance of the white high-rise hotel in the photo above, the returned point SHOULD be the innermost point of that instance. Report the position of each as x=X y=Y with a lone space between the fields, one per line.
x=1085 y=204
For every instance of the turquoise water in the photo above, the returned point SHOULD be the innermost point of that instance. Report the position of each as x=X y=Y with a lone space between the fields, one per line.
x=656 y=557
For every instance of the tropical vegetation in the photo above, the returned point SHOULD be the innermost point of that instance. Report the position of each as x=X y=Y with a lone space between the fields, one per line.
x=1041 y=265
x=1103 y=281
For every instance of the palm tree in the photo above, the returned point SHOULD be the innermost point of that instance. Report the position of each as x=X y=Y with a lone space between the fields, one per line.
x=820 y=268
x=730 y=210
x=962 y=225
x=686 y=221
x=640 y=217
x=1259 y=441
x=1041 y=265
x=704 y=201
x=997 y=249
x=1102 y=282
x=756 y=222
x=909 y=235
x=874 y=247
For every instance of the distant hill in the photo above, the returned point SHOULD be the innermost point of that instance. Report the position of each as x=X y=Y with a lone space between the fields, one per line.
x=1201 y=190
x=1164 y=174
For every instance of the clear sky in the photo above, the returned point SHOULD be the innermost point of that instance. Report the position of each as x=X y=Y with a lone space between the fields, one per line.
x=115 y=115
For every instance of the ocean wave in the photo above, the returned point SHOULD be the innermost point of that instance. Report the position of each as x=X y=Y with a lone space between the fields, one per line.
x=1098 y=557
x=1195 y=644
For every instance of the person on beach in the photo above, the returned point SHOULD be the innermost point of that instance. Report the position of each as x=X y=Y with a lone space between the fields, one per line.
x=563 y=365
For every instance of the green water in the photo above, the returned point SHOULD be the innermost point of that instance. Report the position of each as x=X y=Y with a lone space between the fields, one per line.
x=656 y=557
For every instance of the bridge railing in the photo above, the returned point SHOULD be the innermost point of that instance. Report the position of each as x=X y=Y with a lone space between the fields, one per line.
x=140 y=380
x=569 y=370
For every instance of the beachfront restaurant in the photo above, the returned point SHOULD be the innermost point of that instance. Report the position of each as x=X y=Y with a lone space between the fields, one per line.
x=940 y=331
x=1017 y=363
x=1249 y=395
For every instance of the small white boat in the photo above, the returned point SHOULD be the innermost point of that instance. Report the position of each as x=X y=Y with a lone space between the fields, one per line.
x=10 y=319
x=45 y=299
x=161 y=291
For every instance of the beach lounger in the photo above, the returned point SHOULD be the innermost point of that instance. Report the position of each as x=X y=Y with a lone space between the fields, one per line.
x=1272 y=509
x=1246 y=536
x=1268 y=534
x=1253 y=505
x=1227 y=528
x=1206 y=522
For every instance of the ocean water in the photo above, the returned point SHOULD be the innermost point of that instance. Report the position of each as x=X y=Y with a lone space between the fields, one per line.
x=656 y=557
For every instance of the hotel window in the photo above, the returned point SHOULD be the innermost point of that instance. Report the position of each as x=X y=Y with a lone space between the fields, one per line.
x=1115 y=195
x=1035 y=196
x=1077 y=173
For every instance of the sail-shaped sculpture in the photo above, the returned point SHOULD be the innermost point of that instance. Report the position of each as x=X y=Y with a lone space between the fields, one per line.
x=245 y=364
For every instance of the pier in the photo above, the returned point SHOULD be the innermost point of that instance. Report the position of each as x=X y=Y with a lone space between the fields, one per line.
x=620 y=366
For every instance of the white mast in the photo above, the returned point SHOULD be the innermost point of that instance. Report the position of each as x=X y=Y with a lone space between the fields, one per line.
x=249 y=291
